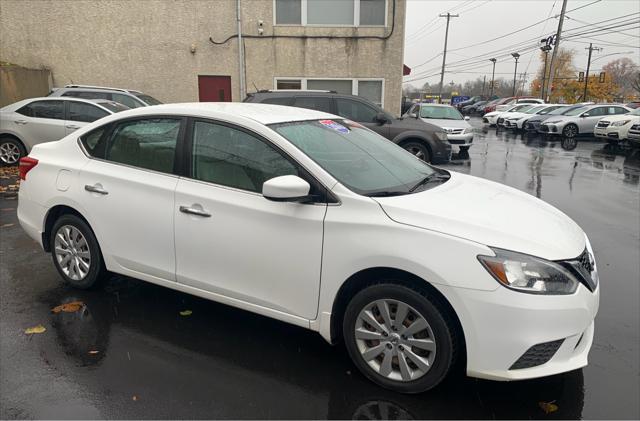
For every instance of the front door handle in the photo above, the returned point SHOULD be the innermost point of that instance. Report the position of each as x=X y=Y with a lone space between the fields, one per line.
x=195 y=211
x=72 y=126
x=21 y=122
x=97 y=188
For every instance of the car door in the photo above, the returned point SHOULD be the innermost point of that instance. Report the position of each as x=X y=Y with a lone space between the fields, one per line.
x=41 y=121
x=589 y=119
x=129 y=193
x=232 y=241
x=80 y=114
x=361 y=113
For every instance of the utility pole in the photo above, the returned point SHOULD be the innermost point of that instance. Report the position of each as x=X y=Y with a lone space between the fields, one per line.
x=545 y=49
x=493 y=74
x=444 y=55
x=484 y=81
x=586 y=75
x=555 y=49
x=515 y=71
x=240 y=50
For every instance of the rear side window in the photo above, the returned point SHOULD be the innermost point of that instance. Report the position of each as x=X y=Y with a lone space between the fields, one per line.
x=356 y=111
x=314 y=103
x=617 y=110
x=80 y=111
x=44 y=109
x=148 y=143
x=87 y=94
x=277 y=101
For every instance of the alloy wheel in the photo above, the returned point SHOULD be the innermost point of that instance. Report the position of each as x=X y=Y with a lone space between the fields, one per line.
x=9 y=153
x=416 y=151
x=570 y=131
x=395 y=340
x=72 y=252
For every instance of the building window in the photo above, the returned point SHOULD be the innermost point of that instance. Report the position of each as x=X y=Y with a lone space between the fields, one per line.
x=371 y=89
x=331 y=12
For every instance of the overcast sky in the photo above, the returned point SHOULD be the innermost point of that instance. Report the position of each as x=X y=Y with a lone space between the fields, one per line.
x=483 y=20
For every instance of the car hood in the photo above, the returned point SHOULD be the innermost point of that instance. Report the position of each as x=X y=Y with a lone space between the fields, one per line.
x=620 y=117
x=541 y=117
x=411 y=123
x=449 y=124
x=491 y=214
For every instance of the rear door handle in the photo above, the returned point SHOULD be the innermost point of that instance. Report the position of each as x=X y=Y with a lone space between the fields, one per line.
x=20 y=121
x=72 y=126
x=195 y=211
x=95 y=189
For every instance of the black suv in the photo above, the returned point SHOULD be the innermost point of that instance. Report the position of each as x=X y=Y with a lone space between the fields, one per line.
x=424 y=140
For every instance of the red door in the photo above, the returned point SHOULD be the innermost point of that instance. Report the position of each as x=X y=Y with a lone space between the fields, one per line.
x=214 y=88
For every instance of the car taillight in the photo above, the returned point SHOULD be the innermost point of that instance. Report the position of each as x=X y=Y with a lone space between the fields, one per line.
x=26 y=165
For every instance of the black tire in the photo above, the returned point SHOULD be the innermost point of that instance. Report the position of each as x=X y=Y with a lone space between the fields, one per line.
x=11 y=150
x=97 y=271
x=431 y=309
x=418 y=149
x=570 y=131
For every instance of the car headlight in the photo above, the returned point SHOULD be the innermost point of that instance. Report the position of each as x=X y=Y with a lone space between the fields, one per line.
x=552 y=122
x=530 y=274
x=620 y=123
x=441 y=135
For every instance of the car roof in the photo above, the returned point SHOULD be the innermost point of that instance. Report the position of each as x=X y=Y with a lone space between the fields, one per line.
x=19 y=104
x=261 y=113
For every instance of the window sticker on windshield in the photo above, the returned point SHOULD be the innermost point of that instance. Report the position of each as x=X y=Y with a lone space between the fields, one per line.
x=333 y=125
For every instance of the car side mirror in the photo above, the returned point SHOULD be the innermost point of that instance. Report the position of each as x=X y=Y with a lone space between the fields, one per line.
x=381 y=118
x=585 y=115
x=467 y=118
x=286 y=188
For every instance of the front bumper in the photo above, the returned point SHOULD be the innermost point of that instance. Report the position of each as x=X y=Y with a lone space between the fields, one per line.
x=502 y=326
x=611 y=132
x=550 y=129
x=465 y=139
x=442 y=153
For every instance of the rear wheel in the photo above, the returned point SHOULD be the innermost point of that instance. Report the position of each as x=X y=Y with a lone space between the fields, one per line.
x=399 y=338
x=76 y=254
x=418 y=149
x=11 y=150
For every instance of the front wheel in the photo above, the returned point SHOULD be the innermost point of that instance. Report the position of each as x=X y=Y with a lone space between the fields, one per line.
x=11 y=150
x=419 y=150
x=570 y=130
x=76 y=254
x=399 y=338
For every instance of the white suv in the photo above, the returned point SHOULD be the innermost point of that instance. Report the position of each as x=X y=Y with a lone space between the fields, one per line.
x=317 y=221
x=616 y=128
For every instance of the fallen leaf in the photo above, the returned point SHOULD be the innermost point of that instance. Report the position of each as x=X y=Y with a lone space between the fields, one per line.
x=68 y=307
x=93 y=352
x=35 y=329
x=186 y=313
x=135 y=398
x=548 y=407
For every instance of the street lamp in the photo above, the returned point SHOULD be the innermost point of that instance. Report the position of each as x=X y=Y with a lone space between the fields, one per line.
x=545 y=49
x=493 y=60
x=515 y=71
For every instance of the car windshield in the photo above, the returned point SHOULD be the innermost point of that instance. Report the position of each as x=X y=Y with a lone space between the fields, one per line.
x=560 y=111
x=148 y=99
x=576 y=111
x=362 y=160
x=440 y=113
x=535 y=109
x=546 y=110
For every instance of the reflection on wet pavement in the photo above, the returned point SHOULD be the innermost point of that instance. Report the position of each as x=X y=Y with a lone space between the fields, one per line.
x=128 y=353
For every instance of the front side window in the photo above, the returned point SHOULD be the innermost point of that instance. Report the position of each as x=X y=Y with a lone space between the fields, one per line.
x=330 y=12
x=596 y=112
x=356 y=111
x=44 y=109
x=362 y=160
x=149 y=143
x=234 y=158
x=79 y=111
x=126 y=100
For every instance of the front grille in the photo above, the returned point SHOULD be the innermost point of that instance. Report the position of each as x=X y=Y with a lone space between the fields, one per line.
x=484 y=120
x=583 y=267
x=537 y=355
x=602 y=124
x=544 y=128
x=454 y=131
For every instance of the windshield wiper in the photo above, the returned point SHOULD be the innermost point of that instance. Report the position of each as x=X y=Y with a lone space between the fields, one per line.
x=428 y=179
x=386 y=193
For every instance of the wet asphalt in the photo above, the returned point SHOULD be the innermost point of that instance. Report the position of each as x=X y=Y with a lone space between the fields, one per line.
x=128 y=353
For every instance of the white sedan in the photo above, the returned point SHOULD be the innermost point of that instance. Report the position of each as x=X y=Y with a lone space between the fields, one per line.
x=518 y=121
x=26 y=123
x=317 y=221
x=492 y=117
x=616 y=128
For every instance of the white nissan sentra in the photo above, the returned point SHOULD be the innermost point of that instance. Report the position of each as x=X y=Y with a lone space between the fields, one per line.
x=317 y=221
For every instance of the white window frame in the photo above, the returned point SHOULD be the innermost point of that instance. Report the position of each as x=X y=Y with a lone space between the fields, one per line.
x=354 y=83
x=356 y=17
